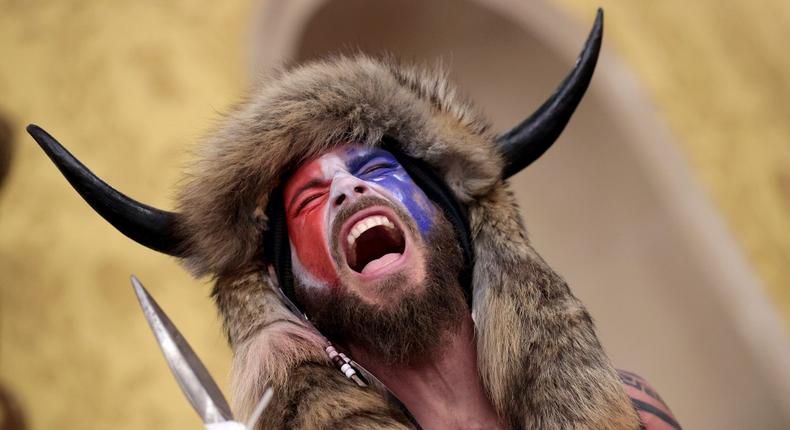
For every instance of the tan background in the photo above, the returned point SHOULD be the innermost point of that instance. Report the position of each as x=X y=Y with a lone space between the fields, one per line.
x=718 y=72
x=129 y=86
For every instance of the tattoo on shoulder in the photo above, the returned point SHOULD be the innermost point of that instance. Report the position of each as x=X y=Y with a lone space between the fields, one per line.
x=636 y=381
x=657 y=408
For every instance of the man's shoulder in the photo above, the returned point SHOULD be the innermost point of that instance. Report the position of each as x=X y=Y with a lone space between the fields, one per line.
x=653 y=412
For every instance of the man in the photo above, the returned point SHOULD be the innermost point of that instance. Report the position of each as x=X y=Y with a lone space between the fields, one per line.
x=377 y=265
x=371 y=198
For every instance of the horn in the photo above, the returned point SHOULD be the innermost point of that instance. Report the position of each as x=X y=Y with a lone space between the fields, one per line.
x=527 y=141
x=146 y=225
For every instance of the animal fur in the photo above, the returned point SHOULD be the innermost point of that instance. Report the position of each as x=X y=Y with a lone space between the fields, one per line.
x=539 y=358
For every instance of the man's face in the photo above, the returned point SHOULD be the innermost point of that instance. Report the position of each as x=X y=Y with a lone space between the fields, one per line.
x=375 y=263
x=357 y=222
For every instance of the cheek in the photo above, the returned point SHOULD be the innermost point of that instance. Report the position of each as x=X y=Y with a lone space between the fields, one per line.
x=403 y=189
x=309 y=238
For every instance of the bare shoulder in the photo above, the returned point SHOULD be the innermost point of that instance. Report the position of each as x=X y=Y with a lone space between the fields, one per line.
x=653 y=412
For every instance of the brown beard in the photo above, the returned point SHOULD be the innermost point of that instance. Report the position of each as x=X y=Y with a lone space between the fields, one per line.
x=418 y=320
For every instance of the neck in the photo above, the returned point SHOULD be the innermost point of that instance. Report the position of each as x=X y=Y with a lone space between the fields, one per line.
x=442 y=391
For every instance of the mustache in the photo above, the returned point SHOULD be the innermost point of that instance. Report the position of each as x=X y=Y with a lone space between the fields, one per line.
x=362 y=203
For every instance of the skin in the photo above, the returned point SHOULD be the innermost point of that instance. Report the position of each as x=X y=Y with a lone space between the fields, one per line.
x=442 y=390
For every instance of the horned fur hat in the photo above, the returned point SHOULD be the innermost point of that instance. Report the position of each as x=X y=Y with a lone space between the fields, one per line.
x=539 y=358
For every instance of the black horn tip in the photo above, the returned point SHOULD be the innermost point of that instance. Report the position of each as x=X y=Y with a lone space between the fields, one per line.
x=148 y=226
x=526 y=142
x=597 y=30
x=38 y=134
x=49 y=144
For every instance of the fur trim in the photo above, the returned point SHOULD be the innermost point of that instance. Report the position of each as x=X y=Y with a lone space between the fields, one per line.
x=539 y=358
x=538 y=354
x=272 y=348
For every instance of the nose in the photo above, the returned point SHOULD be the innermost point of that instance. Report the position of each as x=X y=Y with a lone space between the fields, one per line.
x=346 y=189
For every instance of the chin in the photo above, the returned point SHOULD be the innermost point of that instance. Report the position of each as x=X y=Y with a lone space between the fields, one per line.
x=401 y=308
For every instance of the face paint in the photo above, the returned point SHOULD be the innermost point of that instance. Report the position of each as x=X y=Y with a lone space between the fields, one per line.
x=383 y=172
x=305 y=207
x=318 y=189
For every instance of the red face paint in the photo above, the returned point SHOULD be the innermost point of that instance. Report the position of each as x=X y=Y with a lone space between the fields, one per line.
x=306 y=193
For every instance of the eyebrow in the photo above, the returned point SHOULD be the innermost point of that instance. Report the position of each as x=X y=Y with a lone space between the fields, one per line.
x=313 y=183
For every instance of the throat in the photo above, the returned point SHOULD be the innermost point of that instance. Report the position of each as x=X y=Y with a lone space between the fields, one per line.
x=442 y=391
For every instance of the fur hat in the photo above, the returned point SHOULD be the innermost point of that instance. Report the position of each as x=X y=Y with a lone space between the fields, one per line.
x=308 y=111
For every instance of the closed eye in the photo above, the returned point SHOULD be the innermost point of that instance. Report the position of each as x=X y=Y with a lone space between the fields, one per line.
x=377 y=168
x=309 y=199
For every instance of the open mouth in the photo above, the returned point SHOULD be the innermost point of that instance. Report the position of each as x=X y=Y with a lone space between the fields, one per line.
x=372 y=243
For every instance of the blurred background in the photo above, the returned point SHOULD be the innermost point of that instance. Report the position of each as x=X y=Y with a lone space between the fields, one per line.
x=666 y=203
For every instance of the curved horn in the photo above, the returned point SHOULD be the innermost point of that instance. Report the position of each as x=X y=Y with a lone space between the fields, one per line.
x=529 y=140
x=144 y=224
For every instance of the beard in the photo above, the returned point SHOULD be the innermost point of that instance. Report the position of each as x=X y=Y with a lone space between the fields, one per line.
x=416 y=322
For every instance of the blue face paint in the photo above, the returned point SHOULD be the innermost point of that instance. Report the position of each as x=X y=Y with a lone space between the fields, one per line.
x=380 y=167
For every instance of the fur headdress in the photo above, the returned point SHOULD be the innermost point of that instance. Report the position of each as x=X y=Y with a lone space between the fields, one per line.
x=539 y=358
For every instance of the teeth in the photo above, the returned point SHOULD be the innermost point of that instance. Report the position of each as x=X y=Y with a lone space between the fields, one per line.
x=366 y=224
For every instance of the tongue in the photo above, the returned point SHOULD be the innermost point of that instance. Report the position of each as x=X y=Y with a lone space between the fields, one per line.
x=380 y=262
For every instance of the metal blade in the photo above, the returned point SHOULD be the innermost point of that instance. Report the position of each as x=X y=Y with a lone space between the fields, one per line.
x=192 y=376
